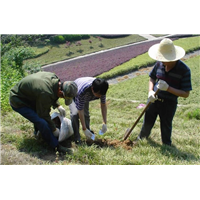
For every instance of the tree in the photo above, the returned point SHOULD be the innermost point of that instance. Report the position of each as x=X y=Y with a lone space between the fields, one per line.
x=16 y=56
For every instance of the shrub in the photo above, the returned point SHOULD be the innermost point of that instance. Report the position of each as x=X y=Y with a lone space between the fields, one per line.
x=59 y=39
x=68 y=38
x=85 y=36
x=16 y=56
x=75 y=37
x=9 y=77
x=195 y=114
x=113 y=36
x=72 y=38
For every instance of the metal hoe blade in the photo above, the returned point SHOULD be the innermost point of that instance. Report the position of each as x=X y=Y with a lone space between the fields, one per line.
x=126 y=133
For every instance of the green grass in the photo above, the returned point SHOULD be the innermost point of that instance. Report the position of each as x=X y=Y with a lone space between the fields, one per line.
x=20 y=147
x=158 y=35
x=60 y=52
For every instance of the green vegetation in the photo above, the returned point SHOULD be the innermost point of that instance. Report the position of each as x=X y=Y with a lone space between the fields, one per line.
x=60 y=39
x=158 y=35
x=12 y=70
x=18 y=145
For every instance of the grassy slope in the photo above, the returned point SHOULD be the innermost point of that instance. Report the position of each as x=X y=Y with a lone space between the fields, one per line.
x=122 y=115
x=60 y=52
x=19 y=146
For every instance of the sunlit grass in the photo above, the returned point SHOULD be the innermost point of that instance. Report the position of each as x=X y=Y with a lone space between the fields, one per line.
x=20 y=147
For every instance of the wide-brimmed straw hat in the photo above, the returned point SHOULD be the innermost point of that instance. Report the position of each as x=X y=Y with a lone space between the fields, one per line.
x=166 y=51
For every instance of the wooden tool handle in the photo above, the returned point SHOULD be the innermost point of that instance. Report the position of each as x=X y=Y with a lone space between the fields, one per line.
x=138 y=119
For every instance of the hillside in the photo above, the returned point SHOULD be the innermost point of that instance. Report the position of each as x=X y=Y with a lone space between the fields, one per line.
x=20 y=147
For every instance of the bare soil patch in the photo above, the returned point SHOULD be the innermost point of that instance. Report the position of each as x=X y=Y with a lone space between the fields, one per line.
x=127 y=144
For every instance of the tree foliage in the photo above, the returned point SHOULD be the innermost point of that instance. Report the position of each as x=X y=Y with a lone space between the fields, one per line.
x=12 y=57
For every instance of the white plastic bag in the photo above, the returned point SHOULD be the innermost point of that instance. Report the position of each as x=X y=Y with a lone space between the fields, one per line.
x=66 y=129
x=71 y=131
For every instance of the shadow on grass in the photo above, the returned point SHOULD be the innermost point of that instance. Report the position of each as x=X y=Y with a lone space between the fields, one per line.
x=172 y=151
x=41 y=150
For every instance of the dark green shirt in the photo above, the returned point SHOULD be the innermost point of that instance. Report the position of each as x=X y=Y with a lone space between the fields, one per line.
x=178 y=77
x=37 y=91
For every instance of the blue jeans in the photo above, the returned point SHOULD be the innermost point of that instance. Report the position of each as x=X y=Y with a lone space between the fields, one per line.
x=166 y=111
x=39 y=124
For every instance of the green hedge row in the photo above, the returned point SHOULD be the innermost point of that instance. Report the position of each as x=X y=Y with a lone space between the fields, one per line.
x=60 y=39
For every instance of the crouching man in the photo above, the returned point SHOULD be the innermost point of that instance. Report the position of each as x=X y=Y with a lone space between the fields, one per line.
x=89 y=89
x=33 y=98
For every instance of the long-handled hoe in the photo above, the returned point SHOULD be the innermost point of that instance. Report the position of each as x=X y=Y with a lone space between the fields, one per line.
x=129 y=130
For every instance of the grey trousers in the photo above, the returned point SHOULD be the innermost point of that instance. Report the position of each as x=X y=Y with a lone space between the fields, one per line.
x=75 y=119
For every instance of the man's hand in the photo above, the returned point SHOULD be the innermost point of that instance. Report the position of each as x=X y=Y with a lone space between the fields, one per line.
x=162 y=85
x=104 y=128
x=151 y=96
x=62 y=111
x=89 y=134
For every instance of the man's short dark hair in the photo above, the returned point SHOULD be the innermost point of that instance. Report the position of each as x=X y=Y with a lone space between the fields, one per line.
x=100 y=86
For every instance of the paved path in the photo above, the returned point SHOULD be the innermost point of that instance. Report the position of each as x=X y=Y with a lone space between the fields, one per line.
x=147 y=36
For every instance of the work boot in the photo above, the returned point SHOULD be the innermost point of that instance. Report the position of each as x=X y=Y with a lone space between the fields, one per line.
x=62 y=149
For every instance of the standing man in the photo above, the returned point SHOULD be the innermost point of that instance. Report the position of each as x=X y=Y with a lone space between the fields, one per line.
x=33 y=97
x=173 y=78
x=88 y=89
